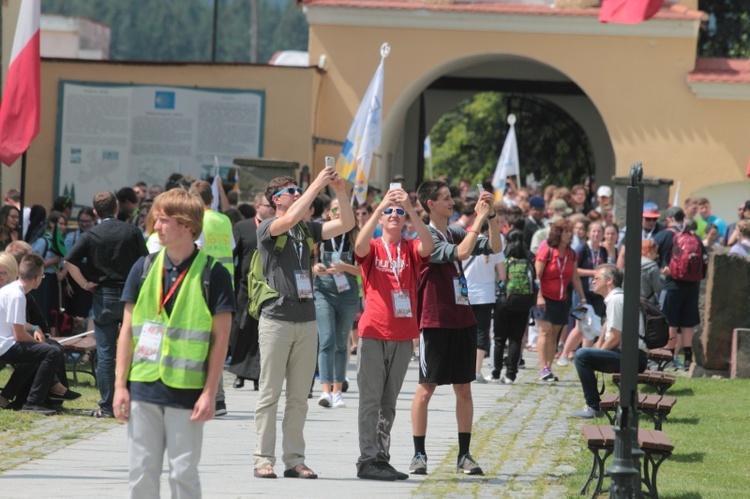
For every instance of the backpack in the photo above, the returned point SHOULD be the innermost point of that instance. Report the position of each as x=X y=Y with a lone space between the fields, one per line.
x=520 y=290
x=655 y=326
x=687 y=257
x=258 y=289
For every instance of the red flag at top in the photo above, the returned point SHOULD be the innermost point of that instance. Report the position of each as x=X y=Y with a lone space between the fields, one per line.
x=21 y=102
x=628 y=11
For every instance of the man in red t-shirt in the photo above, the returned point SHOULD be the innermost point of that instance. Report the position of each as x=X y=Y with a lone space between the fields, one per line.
x=448 y=341
x=390 y=272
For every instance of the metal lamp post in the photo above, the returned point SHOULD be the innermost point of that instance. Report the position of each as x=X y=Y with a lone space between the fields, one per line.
x=625 y=469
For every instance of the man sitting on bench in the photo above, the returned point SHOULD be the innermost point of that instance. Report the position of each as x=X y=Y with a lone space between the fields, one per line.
x=604 y=356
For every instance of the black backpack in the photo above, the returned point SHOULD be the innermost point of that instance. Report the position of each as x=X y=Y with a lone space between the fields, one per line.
x=655 y=326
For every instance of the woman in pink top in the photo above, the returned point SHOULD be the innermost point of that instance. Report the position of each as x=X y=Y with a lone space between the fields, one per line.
x=556 y=267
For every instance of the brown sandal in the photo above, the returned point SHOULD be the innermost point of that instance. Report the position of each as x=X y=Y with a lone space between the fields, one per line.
x=269 y=473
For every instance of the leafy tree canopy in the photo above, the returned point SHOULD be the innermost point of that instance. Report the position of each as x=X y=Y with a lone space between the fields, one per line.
x=467 y=141
x=181 y=30
x=727 y=33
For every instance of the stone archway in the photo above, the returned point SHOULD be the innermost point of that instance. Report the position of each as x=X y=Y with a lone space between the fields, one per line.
x=439 y=90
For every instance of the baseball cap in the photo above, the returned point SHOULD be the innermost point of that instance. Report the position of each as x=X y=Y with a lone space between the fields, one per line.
x=559 y=204
x=398 y=178
x=605 y=191
x=650 y=210
x=536 y=202
x=675 y=213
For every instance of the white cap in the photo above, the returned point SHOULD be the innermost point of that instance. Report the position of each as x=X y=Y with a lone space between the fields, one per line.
x=605 y=191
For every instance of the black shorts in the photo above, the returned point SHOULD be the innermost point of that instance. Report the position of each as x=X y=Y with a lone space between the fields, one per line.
x=556 y=312
x=447 y=356
x=681 y=306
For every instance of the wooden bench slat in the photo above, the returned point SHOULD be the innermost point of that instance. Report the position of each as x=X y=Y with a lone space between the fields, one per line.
x=666 y=403
x=592 y=435
x=651 y=401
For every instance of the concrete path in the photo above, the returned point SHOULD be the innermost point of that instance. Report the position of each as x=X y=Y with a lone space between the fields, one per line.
x=516 y=428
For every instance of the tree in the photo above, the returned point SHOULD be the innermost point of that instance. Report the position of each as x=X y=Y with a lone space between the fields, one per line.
x=727 y=33
x=466 y=142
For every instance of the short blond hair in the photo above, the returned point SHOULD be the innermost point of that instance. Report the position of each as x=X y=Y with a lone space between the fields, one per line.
x=8 y=262
x=184 y=207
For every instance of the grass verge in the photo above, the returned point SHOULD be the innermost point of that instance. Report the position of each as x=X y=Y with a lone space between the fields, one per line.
x=710 y=428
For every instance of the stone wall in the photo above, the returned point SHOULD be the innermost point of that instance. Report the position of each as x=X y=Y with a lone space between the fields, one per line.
x=727 y=302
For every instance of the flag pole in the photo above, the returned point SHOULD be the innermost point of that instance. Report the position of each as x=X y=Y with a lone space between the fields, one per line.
x=512 y=122
x=23 y=190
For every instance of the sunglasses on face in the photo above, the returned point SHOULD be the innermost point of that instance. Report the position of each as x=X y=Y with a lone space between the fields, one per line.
x=288 y=190
x=399 y=211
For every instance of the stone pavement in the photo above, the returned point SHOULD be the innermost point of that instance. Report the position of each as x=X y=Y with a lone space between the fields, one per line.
x=518 y=432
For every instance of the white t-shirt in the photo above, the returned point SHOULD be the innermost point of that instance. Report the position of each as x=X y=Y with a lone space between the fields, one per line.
x=12 y=311
x=615 y=302
x=481 y=277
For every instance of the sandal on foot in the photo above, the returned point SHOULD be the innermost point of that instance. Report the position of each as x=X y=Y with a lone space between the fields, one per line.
x=269 y=473
x=300 y=471
x=98 y=413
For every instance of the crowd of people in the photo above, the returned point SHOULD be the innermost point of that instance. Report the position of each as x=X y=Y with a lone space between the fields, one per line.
x=446 y=276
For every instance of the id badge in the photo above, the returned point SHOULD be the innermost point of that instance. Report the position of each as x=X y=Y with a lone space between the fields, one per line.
x=342 y=283
x=304 y=286
x=335 y=258
x=401 y=303
x=149 y=342
x=460 y=298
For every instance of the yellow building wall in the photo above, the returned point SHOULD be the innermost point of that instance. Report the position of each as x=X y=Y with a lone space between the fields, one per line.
x=638 y=85
x=287 y=121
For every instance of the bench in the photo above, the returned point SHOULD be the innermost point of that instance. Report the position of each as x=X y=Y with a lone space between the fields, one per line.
x=656 y=407
x=600 y=440
x=658 y=380
x=661 y=357
x=77 y=347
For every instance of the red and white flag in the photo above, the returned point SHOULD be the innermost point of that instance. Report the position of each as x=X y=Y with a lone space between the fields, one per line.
x=21 y=102
x=628 y=11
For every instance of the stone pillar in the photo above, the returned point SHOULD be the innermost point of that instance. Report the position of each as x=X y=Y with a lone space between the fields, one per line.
x=726 y=306
x=740 y=360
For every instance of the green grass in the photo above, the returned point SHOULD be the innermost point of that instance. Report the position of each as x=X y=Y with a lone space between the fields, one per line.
x=710 y=428
x=25 y=436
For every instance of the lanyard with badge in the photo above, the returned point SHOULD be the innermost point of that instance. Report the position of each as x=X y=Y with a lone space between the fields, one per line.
x=401 y=301
x=301 y=276
x=561 y=269
x=594 y=263
x=460 y=286
x=152 y=331
x=342 y=283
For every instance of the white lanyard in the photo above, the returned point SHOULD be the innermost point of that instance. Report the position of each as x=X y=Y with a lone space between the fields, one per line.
x=297 y=243
x=560 y=269
x=449 y=239
x=395 y=266
x=341 y=246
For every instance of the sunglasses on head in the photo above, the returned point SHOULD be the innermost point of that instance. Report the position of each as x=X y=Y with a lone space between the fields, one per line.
x=399 y=211
x=288 y=190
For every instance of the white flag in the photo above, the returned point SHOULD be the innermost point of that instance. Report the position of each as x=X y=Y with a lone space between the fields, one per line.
x=427 y=148
x=215 y=186
x=676 y=201
x=507 y=164
x=364 y=136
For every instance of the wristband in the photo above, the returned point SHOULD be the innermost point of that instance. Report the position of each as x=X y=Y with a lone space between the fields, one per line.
x=33 y=329
x=472 y=229
x=492 y=216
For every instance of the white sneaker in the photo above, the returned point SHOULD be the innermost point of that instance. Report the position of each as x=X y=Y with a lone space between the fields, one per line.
x=480 y=378
x=338 y=400
x=325 y=400
x=563 y=361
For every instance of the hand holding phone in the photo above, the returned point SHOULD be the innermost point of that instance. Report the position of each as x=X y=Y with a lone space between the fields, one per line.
x=394 y=186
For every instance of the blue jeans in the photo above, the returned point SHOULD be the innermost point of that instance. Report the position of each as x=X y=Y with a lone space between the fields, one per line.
x=334 y=315
x=107 y=319
x=590 y=360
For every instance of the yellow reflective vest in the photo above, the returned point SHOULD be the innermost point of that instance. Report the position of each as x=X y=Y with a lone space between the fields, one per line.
x=217 y=230
x=183 y=356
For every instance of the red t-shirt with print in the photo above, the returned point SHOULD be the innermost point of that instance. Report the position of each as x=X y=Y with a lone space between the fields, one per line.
x=378 y=282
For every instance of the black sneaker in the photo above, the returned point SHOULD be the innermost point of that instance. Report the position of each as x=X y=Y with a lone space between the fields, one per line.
x=398 y=474
x=68 y=395
x=221 y=409
x=376 y=471
x=38 y=409
x=345 y=385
